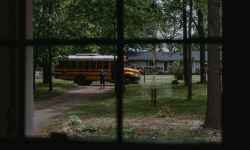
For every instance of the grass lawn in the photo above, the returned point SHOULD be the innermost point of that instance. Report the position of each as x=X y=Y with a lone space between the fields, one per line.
x=173 y=119
x=59 y=86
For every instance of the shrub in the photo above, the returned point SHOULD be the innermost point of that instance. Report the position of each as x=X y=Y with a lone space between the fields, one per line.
x=164 y=112
x=149 y=70
x=74 y=120
x=176 y=69
x=89 y=128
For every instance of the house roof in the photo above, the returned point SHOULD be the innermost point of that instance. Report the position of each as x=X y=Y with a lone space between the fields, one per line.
x=91 y=57
x=166 y=56
x=148 y=56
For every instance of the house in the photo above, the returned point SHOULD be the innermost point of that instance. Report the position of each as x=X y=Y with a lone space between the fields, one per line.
x=163 y=60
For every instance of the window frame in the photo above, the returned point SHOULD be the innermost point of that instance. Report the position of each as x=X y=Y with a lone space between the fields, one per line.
x=119 y=41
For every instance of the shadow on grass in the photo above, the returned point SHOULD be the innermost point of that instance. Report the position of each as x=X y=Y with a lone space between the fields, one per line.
x=59 y=86
x=104 y=105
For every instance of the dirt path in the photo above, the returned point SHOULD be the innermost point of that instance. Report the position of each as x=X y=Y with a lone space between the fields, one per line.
x=47 y=110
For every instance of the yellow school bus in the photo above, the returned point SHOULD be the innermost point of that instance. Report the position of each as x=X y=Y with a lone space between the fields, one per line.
x=85 y=68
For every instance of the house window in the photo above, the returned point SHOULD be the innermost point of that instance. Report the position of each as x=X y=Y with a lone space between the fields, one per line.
x=151 y=63
x=165 y=66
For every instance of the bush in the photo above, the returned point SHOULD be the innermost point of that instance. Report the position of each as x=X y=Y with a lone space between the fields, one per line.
x=165 y=111
x=176 y=69
x=89 y=128
x=74 y=120
x=151 y=70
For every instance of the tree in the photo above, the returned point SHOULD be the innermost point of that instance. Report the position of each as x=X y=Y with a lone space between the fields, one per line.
x=189 y=51
x=175 y=18
x=46 y=19
x=78 y=19
x=202 y=46
x=201 y=12
x=213 y=114
x=185 y=48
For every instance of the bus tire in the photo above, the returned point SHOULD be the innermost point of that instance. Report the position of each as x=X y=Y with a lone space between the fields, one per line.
x=80 y=80
x=88 y=82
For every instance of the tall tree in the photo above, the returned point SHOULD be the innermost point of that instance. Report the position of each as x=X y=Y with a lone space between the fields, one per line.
x=201 y=33
x=185 y=44
x=189 y=51
x=213 y=114
x=46 y=19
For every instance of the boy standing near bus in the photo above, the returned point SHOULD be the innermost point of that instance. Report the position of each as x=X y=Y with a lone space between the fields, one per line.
x=102 y=79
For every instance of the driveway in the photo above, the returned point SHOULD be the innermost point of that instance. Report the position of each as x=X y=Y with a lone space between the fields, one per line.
x=46 y=110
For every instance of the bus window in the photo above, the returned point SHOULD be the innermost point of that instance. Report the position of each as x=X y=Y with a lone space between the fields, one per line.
x=93 y=64
x=99 y=64
x=67 y=64
x=61 y=64
x=80 y=64
x=105 y=64
x=74 y=64
x=86 y=64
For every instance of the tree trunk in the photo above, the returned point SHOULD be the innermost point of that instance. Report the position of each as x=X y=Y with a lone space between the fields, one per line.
x=50 y=69
x=184 y=17
x=189 y=53
x=46 y=72
x=202 y=47
x=213 y=114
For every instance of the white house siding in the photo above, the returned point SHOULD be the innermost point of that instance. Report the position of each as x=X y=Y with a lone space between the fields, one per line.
x=193 y=67
x=195 y=64
x=145 y=63
x=139 y=63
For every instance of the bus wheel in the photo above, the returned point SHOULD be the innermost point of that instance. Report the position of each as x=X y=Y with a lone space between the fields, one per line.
x=80 y=80
x=88 y=82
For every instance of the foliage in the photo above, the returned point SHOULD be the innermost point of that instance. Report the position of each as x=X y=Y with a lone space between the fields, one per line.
x=164 y=112
x=151 y=70
x=176 y=68
x=74 y=120
x=140 y=123
x=141 y=18
x=81 y=19
x=89 y=128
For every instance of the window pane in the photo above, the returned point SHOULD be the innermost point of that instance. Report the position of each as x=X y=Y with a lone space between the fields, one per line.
x=74 y=19
x=106 y=64
x=86 y=110
x=164 y=19
x=74 y=64
x=99 y=64
x=86 y=64
x=93 y=64
x=80 y=64
x=152 y=19
x=156 y=108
